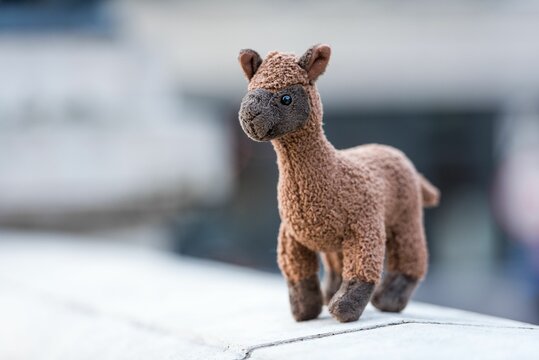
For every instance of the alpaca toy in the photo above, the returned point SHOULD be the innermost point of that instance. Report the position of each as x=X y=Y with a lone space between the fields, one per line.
x=356 y=207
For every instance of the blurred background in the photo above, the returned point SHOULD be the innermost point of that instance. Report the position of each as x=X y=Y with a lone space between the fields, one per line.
x=120 y=118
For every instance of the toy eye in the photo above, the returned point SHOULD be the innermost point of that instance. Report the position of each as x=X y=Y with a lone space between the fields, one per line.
x=286 y=99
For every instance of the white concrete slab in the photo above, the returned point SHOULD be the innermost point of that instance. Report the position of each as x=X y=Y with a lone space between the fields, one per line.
x=413 y=341
x=66 y=299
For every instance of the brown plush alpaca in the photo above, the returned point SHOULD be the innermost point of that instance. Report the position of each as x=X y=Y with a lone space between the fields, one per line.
x=354 y=206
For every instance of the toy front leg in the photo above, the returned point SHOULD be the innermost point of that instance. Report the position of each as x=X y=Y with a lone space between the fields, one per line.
x=299 y=265
x=363 y=260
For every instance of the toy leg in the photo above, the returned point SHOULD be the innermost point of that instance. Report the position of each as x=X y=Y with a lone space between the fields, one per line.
x=333 y=274
x=299 y=265
x=407 y=259
x=363 y=259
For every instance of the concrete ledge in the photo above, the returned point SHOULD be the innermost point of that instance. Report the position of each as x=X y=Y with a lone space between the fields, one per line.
x=65 y=298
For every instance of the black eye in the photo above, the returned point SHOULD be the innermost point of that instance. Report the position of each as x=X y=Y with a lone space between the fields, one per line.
x=286 y=99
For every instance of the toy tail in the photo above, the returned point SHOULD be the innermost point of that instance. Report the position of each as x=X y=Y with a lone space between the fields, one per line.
x=429 y=192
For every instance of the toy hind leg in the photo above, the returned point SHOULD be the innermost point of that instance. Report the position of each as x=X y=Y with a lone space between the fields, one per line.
x=332 y=275
x=407 y=258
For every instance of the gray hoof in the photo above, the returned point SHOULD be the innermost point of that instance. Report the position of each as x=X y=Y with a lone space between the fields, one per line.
x=305 y=298
x=350 y=301
x=394 y=292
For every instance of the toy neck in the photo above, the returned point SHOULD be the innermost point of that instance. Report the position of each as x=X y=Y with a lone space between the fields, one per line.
x=306 y=152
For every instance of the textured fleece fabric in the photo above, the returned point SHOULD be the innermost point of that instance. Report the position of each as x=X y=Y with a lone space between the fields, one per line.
x=305 y=298
x=394 y=291
x=357 y=205
x=262 y=122
x=350 y=301
x=333 y=275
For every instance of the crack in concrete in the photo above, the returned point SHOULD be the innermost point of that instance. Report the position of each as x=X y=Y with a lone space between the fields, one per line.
x=87 y=310
x=248 y=352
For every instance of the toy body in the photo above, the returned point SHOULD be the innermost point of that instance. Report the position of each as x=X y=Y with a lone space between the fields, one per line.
x=355 y=206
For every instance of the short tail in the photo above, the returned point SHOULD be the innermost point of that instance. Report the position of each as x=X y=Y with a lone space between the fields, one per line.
x=429 y=192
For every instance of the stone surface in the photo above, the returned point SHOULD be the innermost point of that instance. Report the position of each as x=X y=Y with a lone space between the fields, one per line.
x=63 y=297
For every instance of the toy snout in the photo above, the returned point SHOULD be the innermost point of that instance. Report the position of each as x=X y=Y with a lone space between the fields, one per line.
x=257 y=116
x=266 y=115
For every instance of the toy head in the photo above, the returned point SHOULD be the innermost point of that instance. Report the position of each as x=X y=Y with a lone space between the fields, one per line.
x=280 y=94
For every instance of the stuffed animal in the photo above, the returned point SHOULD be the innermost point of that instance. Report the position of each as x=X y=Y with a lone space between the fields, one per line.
x=356 y=207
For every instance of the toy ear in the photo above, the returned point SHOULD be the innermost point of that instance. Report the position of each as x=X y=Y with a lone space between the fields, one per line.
x=250 y=62
x=315 y=60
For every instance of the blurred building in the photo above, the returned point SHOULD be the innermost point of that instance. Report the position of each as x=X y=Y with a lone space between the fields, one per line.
x=94 y=131
x=122 y=115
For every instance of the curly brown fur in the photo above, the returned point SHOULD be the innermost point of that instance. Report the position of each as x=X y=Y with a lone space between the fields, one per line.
x=333 y=275
x=365 y=202
x=332 y=283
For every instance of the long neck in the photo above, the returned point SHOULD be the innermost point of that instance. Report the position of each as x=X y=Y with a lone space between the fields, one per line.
x=306 y=152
